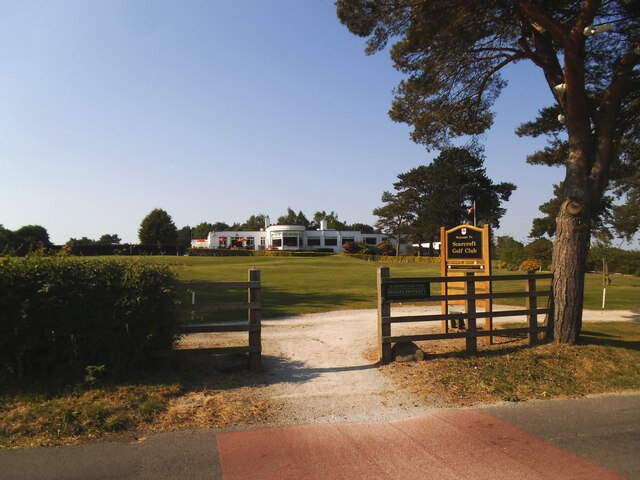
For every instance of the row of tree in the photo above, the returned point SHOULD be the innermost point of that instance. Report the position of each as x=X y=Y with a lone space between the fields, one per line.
x=159 y=228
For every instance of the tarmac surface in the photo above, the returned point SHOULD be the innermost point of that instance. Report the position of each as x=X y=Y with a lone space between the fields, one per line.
x=587 y=438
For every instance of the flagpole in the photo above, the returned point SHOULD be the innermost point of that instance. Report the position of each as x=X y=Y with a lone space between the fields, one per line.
x=474 y=213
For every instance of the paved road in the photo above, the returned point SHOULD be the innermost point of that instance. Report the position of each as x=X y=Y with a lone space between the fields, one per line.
x=532 y=436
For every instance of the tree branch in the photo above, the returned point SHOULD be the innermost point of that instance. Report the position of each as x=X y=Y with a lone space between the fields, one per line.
x=585 y=18
x=540 y=19
x=498 y=67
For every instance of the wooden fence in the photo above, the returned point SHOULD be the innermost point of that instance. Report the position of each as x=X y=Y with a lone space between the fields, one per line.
x=392 y=290
x=253 y=306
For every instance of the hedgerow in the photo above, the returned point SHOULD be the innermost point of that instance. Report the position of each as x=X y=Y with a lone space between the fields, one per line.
x=60 y=316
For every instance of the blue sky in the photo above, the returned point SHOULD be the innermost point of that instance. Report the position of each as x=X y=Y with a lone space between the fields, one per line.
x=214 y=111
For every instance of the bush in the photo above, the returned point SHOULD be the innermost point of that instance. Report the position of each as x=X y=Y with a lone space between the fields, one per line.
x=59 y=316
x=530 y=265
x=386 y=248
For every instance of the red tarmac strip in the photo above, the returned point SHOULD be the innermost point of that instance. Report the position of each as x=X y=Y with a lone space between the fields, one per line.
x=448 y=444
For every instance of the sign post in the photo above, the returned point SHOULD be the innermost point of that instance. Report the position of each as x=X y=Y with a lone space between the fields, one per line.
x=465 y=249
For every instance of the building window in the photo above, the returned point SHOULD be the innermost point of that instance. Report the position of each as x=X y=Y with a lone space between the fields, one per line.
x=313 y=242
x=370 y=240
x=290 y=241
x=276 y=242
x=347 y=240
x=331 y=241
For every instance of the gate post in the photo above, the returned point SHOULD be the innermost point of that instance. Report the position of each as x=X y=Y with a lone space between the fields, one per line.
x=384 y=310
x=470 y=291
x=255 y=318
x=532 y=306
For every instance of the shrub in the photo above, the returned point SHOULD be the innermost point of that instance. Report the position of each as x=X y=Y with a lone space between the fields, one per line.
x=59 y=316
x=386 y=248
x=530 y=265
x=352 y=247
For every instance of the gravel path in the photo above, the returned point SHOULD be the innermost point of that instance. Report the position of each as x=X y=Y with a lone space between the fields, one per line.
x=317 y=370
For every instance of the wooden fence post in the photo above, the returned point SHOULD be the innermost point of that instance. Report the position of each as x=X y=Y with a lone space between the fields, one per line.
x=532 y=305
x=255 y=318
x=470 y=290
x=384 y=310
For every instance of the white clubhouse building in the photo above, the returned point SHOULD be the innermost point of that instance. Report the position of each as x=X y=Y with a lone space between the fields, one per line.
x=288 y=237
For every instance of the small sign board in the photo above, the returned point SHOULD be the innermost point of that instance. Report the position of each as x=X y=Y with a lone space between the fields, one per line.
x=416 y=290
x=464 y=243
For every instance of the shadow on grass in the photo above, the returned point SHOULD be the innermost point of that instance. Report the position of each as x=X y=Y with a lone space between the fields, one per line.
x=608 y=340
x=280 y=303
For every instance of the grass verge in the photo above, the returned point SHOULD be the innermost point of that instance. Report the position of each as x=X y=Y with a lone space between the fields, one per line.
x=83 y=413
x=606 y=360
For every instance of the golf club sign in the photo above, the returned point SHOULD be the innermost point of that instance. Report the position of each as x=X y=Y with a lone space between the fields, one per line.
x=465 y=243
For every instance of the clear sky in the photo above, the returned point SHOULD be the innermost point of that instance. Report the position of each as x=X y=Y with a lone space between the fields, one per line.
x=214 y=111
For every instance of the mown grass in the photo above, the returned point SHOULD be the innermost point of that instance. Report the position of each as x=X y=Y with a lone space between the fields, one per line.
x=293 y=286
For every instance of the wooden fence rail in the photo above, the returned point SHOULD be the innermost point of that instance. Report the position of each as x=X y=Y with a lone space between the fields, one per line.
x=418 y=290
x=253 y=305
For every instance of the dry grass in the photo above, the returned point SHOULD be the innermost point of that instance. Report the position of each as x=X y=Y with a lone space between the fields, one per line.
x=607 y=360
x=200 y=397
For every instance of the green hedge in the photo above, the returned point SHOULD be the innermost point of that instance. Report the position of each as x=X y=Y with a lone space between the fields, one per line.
x=319 y=252
x=59 y=316
x=400 y=259
x=217 y=252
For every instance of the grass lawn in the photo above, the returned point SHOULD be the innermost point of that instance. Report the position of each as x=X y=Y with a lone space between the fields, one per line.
x=292 y=285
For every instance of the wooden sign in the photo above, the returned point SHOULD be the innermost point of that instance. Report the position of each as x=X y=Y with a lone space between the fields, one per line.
x=464 y=243
x=415 y=290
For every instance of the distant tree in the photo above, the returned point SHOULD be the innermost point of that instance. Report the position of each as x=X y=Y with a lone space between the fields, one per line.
x=546 y=225
x=293 y=218
x=76 y=242
x=441 y=194
x=183 y=237
x=254 y=223
x=288 y=219
x=626 y=217
x=395 y=216
x=202 y=229
x=540 y=249
x=509 y=250
x=301 y=219
x=8 y=241
x=110 y=238
x=361 y=227
x=31 y=238
x=158 y=228
x=333 y=222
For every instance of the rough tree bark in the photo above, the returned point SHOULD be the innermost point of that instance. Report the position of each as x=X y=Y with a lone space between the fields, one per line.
x=569 y=264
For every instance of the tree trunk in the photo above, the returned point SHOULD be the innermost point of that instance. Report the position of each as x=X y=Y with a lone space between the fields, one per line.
x=569 y=264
